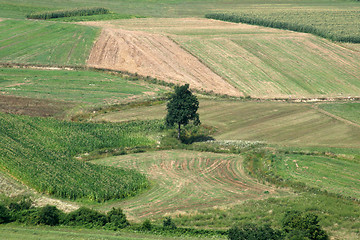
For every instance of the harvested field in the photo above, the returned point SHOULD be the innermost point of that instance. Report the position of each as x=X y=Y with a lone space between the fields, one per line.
x=187 y=180
x=156 y=56
x=262 y=62
x=32 y=106
x=292 y=124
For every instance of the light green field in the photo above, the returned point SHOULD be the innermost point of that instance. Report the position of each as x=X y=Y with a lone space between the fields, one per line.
x=334 y=174
x=187 y=181
x=167 y=8
x=291 y=124
x=41 y=42
x=78 y=86
x=263 y=62
x=349 y=111
x=14 y=232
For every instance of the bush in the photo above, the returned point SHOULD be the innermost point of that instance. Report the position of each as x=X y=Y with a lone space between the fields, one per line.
x=146 y=225
x=85 y=217
x=4 y=214
x=49 y=215
x=254 y=232
x=116 y=219
x=168 y=223
x=295 y=222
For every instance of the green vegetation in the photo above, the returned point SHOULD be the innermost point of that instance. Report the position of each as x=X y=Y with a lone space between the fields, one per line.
x=349 y=111
x=291 y=124
x=102 y=17
x=68 y=13
x=48 y=43
x=40 y=152
x=78 y=86
x=336 y=25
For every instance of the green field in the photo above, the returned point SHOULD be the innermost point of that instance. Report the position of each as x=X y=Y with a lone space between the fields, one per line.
x=77 y=86
x=263 y=62
x=42 y=42
x=40 y=153
x=349 y=111
x=14 y=232
x=291 y=124
x=187 y=181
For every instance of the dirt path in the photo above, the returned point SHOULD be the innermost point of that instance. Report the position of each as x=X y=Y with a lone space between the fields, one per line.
x=157 y=56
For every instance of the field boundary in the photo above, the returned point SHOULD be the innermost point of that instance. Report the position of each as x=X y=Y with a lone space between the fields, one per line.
x=335 y=116
x=167 y=84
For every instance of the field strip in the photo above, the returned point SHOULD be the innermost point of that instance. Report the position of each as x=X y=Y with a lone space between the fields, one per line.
x=157 y=56
x=335 y=116
x=186 y=181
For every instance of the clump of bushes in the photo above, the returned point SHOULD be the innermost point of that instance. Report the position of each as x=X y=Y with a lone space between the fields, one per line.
x=295 y=226
x=68 y=13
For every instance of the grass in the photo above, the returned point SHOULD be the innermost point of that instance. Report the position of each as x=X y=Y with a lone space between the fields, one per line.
x=167 y=8
x=13 y=231
x=333 y=174
x=186 y=180
x=349 y=111
x=76 y=86
x=334 y=24
x=290 y=124
x=43 y=42
x=40 y=153
x=263 y=62
x=102 y=17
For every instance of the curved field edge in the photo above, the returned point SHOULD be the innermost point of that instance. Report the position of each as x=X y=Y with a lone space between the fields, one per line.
x=40 y=153
x=185 y=181
x=348 y=111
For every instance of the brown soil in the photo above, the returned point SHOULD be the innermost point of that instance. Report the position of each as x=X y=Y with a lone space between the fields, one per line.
x=157 y=56
x=32 y=107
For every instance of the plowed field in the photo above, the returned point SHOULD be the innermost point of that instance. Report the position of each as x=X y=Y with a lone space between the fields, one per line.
x=186 y=180
x=156 y=56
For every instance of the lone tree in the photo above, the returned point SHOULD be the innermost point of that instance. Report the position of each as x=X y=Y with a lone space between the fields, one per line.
x=182 y=108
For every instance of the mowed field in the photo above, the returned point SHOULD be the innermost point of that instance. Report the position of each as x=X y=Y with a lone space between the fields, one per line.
x=44 y=42
x=75 y=86
x=292 y=124
x=187 y=181
x=261 y=62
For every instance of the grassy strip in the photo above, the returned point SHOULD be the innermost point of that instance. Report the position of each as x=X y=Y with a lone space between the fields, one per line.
x=343 y=25
x=101 y=17
x=68 y=13
x=40 y=152
x=349 y=111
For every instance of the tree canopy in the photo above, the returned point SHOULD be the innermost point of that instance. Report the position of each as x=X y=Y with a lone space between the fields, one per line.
x=182 y=108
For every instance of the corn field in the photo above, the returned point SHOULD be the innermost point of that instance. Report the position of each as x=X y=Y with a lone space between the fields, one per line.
x=68 y=13
x=41 y=153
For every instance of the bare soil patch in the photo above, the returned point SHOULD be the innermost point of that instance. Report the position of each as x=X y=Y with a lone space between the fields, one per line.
x=157 y=56
x=31 y=106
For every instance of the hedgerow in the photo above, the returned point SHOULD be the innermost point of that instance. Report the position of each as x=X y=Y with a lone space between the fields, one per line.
x=68 y=13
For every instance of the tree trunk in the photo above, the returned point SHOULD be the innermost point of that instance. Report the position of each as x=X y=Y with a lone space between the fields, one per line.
x=179 y=131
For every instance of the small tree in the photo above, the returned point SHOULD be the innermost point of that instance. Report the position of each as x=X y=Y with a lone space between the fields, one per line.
x=182 y=108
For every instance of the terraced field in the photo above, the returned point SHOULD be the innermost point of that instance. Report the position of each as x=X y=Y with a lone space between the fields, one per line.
x=292 y=124
x=262 y=62
x=187 y=181
x=42 y=42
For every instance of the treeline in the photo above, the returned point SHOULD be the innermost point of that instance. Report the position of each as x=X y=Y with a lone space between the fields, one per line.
x=293 y=26
x=295 y=225
x=68 y=13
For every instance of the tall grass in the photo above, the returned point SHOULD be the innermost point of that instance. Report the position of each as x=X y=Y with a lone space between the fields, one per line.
x=341 y=25
x=41 y=153
x=68 y=13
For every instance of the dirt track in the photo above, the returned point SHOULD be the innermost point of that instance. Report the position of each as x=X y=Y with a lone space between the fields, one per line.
x=157 y=56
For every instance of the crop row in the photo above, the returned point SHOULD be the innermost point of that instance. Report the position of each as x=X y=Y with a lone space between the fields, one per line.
x=342 y=26
x=68 y=13
x=41 y=153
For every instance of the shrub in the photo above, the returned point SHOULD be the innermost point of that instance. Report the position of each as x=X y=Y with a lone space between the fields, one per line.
x=48 y=215
x=4 y=214
x=168 y=223
x=85 y=217
x=146 y=225
x=116 y=219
